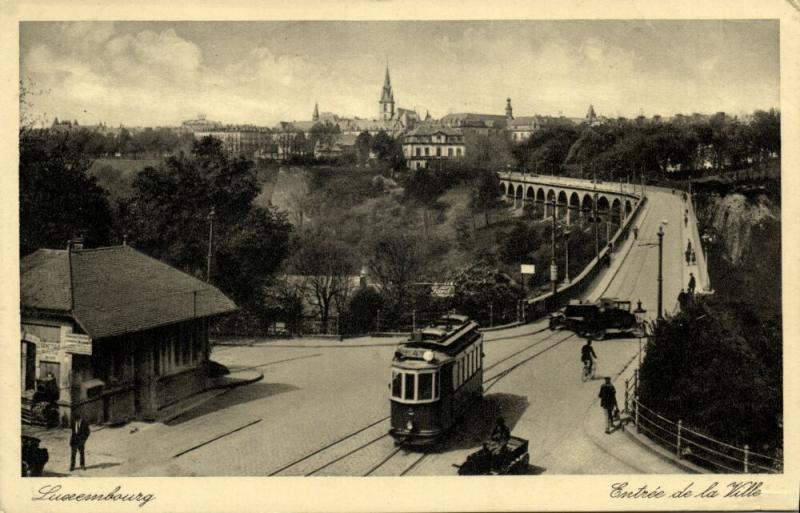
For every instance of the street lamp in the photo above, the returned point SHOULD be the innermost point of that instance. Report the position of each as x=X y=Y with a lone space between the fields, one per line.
x=567 y=233
x=707 y=239
x=661 y=270
x=553 y=265
x=210 y=243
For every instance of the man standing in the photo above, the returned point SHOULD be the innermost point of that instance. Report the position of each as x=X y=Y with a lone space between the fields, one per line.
x=608 y=401
x=77 y=441
x=692 y=284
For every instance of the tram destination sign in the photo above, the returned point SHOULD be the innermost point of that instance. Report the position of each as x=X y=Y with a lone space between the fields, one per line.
x=527 y=269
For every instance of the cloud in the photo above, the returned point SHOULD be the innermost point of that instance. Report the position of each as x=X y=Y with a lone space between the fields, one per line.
x=152 y=54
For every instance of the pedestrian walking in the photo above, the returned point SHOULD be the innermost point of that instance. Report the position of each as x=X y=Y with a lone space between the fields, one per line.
x=635 y=232
x=683 y=299
x=608 y=401
x=692 y=284
x=685 y=221
x=688 y=256
x=77 y=441
x=688 y=244
x=693 y=257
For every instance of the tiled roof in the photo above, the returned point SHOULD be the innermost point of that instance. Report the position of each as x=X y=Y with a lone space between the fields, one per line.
x=427 y=129
x=44 y=280
x=116 y=290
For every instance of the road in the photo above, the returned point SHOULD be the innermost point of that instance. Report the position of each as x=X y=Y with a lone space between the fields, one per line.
x=316 y=393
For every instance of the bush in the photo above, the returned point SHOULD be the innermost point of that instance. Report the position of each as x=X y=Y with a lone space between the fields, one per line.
x=719 y=369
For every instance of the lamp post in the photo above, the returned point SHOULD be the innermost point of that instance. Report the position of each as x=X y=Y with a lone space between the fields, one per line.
x=660 y=272
x=567 y=233
x=210 y=243
x=640 y=320
x=553 y=265
x=707 y=240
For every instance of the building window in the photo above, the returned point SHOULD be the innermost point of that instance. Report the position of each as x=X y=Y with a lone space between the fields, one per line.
x=419 y=151
x=458 y=152
x=427 y=151
x=438 y=152
x=449 y=152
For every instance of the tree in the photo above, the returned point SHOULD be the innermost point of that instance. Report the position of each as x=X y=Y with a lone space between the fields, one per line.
x=57 y=198
x=395 y=258
x=480 y=285
x=362 y=311
x=724 y=380
x=424 y=188
x=167 y=217
x=388 y=150
x=363 y=145
x=325 y=267
x=486 y=196
x=519 y=244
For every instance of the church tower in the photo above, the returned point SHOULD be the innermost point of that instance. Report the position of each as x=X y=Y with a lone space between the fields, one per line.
x=509 y=111
x=386 y=103
x=315 y=116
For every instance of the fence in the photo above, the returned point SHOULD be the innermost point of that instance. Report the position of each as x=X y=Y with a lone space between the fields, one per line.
x=384 y=321
x=689 y=444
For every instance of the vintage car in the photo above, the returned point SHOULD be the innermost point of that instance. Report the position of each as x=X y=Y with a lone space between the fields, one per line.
x=596 y=319
x=514 y=460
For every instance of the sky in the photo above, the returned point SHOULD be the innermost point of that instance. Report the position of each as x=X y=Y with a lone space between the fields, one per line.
x=161 y=73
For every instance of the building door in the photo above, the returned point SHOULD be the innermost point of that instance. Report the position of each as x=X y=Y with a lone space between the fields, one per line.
x=46 y=368
x=30 y=365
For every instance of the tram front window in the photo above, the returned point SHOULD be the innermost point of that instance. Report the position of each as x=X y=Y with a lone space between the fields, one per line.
x=409 y=387
x=414 y=386
x=397 y=384
x=425 y=385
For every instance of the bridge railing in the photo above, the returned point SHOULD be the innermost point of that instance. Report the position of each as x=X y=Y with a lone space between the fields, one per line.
x=690 y=444
x=542 y=305
x=629 y=189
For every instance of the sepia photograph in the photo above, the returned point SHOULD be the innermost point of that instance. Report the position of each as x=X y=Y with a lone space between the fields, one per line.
x=399 y=248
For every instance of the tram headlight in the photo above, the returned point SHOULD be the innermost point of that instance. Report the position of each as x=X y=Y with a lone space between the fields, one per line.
x=410 y=426
x=427 y=356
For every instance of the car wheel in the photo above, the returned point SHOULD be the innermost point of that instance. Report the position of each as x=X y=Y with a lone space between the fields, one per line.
x=599 y=334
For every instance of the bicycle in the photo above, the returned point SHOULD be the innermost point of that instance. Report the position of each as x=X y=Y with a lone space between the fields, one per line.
x=589 y=370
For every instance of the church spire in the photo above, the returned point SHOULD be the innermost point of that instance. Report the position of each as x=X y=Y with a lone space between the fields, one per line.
x=509 y=110
x=386 y=103
x=315 y=117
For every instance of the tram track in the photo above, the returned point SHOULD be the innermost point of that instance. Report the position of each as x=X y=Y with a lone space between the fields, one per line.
x=398 y=453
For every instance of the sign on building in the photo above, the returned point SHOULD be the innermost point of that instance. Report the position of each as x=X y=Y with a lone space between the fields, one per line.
x=443 y=290
x=527 y=269
x=76 y=343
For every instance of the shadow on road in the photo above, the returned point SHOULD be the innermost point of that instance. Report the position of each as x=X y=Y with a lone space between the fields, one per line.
x=236 y=396
x=478 y=423
x=532 y=470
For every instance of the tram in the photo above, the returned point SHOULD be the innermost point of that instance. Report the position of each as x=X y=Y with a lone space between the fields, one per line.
x=436 y=375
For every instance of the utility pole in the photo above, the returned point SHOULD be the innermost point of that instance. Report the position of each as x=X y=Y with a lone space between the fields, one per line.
x=566 y=255
x=210 y=243
x=595 y=219
x=660 y=272
x=553 y=265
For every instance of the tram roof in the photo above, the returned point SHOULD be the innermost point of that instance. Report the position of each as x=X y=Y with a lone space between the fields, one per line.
x=439 y=338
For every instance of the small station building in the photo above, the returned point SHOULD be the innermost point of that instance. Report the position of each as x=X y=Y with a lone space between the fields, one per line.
x=121 y=334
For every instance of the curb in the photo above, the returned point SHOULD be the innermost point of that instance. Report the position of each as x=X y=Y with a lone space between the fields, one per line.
x=663 y=453
x=236 y=382
x=502 y=327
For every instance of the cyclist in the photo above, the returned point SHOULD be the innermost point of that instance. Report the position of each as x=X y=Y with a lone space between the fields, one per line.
x=588 y=355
